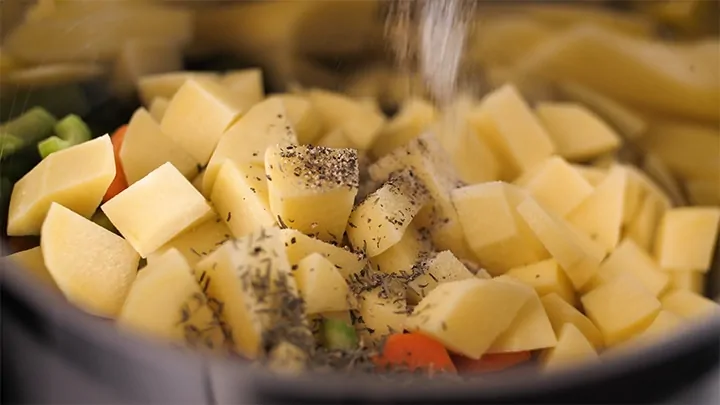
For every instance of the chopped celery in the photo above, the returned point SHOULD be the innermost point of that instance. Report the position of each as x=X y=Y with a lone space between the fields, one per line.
x=70 y=131
x=52 y=145
x=337 y=334
x=27 y=129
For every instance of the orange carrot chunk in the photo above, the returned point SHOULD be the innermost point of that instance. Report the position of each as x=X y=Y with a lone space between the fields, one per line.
x=491 y=362
x=119 y=183
x=414 y=351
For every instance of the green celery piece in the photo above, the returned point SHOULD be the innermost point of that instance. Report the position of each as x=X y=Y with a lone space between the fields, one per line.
x=337 y=334
x=70 y=131
x=27 y=129
x=52 y=145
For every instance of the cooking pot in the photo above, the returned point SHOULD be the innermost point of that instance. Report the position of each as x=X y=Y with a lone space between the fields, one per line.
x=54 y=353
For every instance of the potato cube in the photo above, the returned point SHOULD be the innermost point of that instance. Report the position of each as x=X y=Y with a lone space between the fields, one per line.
x=693 y=281
x=642 y=228
x=165 y=85
x=196 y=242
x=415 y=116
x=665 y=322
x=361 y=124
x=380 y=221
x=238 y=200
x=564 y=121
x=629 y=258
x=198 y=115
x=32 y=261
x=157 y=108
x=303 y=117
x=265 y=124
x=686 y=238
x=402 y=256
x=545 y=277
x=452 y=312
x=640 y=187
x=572 y=347
x=143 y=57
x=145 y=148
x=156 y=209
x=381 y=312
x=321 y=285
x=579 y=259
x=165 y=301
x=560 y=313
x=497 y=235
x=483 y=274
x=593 y=175
x=336 y=139
x=298 y=246
x=312 y=189
x=556 y=185
x=504 y=119
x=92 y=266
x=246 y=85
x=430 y=272
x=688 y=305
x=76 y=178
x=621 y=308
x=531 y=328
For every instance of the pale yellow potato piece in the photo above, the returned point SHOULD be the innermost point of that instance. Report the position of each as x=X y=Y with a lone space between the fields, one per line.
x=556 y=185
x=656 y=169
x=572 y=348
x=629 y=258
x=166 y=302
x=601 y=214
x=593 y=175
x=157 y=108
x=381 y=315
x=531 y=328
x=156 y=209
x=238 y=202
x=361 y=124
x=439 y=268
x=198 y=115
x=298 y=246
x=564 y=121
x=265 y=124
x=545 y=277
x=509 y=126
x=483 y=274
x=686 y=238
x=312 y=188
x=466 y=316
x=504 y=39
x=143 y=57
x=335 y=139
x=693 y=281
x=32 y=261
x=496 y=233
x=642 y=228
x=402 y=256
x=302 y=115
x=165 y=85
x=196 y=242
x=76 y=177
x=93 y=267
x=415 y=116
x=641 y=187
x=621 y=308
x=578 y=258
x=560 y=313
x=379 y=221
x=145 y=148
x=321 y=285
x=246 y=85
x=664 y=324
x=688 y=305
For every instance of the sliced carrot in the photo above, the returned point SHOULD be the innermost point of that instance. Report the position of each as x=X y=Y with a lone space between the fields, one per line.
x=414 y=351
x=491 y=362
x=119 y=183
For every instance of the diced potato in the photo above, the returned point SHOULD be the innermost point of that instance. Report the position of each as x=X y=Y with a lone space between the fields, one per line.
x=298 y=246
x=76 y=178
x=545 y=277
x=32 y=261
x=593 y=175
x=379 y=222
x=198 y=115
x=415 y=116
x=564 y=121
x=600 y=215
x=251 y=279
x=156 y=209
x=304 y=118
x=629 y=258
x=197 y=242
x=642 y=228
x=640 y=187
x=451 y=312
x=483 y=274
x=383 y=312
x=686 y=238
x=312 y=189
x=335 y=139
x=165 y=85
x=142 y=57
x=688 y=305
x=497 y=235
x=578 y=259
x=693 y=281
x=402 y=256
x=572 y=348
x=157 y=109
x=531 y=328
x=621 y=308
x=321 y=285
x=556 y=185
x=145 y=148
x=92 y=266
x=440 y=268
x=504 y=119
x=165 y=301
x=658 y=171
x=239 y=201
x=197 y=181
x=246 y=85
x=560 y=313
x=665 y=323
x=362 y=125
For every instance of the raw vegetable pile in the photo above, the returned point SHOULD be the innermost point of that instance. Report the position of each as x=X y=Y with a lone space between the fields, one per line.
x=310 y=230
